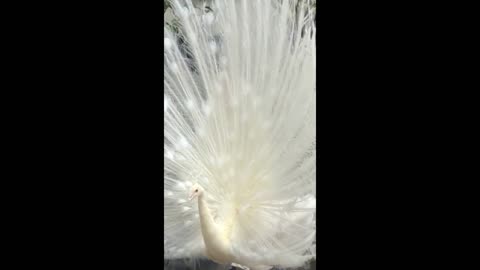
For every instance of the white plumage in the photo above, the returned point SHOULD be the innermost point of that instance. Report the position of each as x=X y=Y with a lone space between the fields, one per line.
x=240 y=133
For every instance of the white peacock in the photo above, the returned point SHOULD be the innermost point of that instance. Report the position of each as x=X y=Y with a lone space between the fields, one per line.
x=240 y=134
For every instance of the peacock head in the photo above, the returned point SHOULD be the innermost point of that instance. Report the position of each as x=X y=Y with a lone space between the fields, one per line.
x=195 y=191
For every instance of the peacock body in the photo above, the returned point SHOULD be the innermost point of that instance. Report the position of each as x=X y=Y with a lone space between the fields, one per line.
x=239 y=143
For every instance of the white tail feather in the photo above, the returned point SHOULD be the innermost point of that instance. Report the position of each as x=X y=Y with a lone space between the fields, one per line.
x=239 y=83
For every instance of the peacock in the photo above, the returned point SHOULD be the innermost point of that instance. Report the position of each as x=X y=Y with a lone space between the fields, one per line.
x=239 y=133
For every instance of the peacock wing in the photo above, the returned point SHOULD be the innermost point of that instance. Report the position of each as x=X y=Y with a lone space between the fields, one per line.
x=277 y=233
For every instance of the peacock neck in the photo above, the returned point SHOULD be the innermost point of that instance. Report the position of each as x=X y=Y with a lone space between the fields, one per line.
x=208 y=225
x=216 y=245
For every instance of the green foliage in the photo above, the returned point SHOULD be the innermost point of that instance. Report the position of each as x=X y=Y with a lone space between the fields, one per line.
x=166 y=5
x=174 y=25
